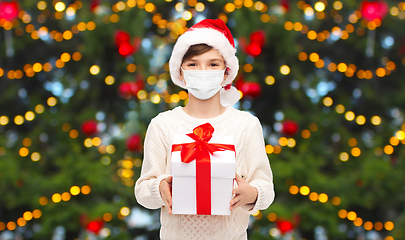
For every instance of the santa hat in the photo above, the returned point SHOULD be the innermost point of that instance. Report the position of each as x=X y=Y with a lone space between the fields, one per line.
x=215 y=34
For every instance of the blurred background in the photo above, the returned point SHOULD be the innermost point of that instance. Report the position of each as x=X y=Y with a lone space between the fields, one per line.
x=80 y=81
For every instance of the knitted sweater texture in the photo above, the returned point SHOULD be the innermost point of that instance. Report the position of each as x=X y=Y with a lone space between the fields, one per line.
x=251 y=163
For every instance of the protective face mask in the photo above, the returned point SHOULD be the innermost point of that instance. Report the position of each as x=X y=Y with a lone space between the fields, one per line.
x=203 y=84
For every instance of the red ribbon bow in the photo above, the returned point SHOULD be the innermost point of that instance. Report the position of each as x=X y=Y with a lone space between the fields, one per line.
x=200 y=151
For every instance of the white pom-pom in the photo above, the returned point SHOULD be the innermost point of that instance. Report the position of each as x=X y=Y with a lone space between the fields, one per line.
x=229 y=97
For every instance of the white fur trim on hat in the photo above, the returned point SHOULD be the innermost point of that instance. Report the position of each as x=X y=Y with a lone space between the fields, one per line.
x=229 y=96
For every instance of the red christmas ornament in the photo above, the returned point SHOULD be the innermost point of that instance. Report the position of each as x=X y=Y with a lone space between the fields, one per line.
x=253 y=49
x=89 y=127
x=284 y=226
x=94 y=4
x=258 y=37
x=129 y=89
x=374 y=10
x=95 y=226
x=256 y=43
x=240 y=80
x=125 y=90
x=121 y=37
x=126 y=49
x=251 y=89
x=290 y=128
x=122 y=41
x=9 y=10
x=285 y=4
x=134 y=143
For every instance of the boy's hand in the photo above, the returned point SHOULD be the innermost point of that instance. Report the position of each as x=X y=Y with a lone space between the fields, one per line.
x=244 y=194
x=165 y=189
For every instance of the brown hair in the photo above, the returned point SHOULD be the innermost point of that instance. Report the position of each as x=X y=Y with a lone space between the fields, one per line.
x=195 y=50
x=198 y=49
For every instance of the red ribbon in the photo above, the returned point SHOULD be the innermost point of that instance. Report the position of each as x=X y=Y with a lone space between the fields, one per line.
x=200 y=151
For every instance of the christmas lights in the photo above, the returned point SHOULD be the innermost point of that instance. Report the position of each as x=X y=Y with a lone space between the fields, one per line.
x=176 y=28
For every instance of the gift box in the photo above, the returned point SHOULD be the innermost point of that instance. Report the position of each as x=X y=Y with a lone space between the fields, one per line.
x=203 y=169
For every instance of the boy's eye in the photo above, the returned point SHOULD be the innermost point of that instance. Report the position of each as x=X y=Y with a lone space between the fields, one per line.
x=191 y=64
x=214 y=65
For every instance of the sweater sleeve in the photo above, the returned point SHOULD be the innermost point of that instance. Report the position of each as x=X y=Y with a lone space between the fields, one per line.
x=259 y=172
x=153 y=168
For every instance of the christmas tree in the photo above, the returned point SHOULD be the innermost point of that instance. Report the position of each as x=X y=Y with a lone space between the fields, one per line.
x=80 y=81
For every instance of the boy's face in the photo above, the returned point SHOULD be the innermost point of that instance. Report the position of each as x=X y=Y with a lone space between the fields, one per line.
x=210 y=60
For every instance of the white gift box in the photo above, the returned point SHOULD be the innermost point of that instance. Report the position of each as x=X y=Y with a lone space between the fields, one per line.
x=222 y=164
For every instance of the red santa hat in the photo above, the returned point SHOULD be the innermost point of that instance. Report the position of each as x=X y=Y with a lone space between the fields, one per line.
x=216 y=34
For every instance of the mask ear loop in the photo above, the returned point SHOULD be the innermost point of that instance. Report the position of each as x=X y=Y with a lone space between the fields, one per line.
x=226 y=73
x=182 y=75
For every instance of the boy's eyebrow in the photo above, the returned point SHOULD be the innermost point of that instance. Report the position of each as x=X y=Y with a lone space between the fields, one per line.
x=212 y=59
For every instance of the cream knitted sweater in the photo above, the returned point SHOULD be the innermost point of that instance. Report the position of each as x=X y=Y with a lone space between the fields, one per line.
x=251 y=163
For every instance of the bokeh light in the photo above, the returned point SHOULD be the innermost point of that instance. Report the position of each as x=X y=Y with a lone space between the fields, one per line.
x=157 y=91
x=368 y=225
x=285 y=70
x=125 y=211
x=344 y=156
x=94 y=70
x=323 y=198
x=376 y=120
x=60 y=6
x=342 y=213
x=85 y=189
x=319 y=6
x=56 y=197
x=304 y=190
x=74 y=190
x=389 y=226
x=294 y=189
x=351 y=216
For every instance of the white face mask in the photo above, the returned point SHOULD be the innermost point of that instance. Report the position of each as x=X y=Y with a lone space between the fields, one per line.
x=203 y=84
